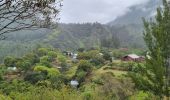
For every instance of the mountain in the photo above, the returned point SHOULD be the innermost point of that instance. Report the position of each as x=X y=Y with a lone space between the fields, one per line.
x=74 y=36
x=125 y=31
x=131 y=23
x=135 y=14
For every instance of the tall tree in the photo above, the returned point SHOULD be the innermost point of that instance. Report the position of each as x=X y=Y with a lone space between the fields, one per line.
x=17 y=15
x=155 y=76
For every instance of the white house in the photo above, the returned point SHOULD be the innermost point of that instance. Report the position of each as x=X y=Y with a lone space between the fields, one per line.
x=74 y=83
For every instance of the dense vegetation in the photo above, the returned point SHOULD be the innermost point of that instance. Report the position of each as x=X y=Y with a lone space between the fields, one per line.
x=46 y=73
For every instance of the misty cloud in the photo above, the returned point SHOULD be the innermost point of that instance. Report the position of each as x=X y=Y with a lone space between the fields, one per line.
x=79 y=11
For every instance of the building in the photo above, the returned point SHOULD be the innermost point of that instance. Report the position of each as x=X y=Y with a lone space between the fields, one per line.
x=74 y=83
x=133 y=57
x=68 y=53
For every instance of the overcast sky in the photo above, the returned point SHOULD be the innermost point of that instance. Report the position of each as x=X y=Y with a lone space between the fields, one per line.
x=103 y=11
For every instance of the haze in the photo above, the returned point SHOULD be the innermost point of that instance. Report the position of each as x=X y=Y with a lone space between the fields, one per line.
x=103 y=11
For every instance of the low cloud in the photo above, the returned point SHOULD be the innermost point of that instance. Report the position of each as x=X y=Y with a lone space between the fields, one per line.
x=103 y=11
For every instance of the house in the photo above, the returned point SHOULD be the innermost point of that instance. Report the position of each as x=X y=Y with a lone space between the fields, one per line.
x=74 y=56
x=74 y=83
x=12 y=69
x=68 y=53
x=133 y=57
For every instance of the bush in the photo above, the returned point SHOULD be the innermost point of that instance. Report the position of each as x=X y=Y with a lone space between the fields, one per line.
x=3 y=97
x=9 y=61
x=81 y=75
x=62 y=59
x=87 y=95
x=24 y=65
x=52 y=55
x=143 y=96
x=42 y=52
x=35 y=77
x=32 y=58
x=58 y=82
x=45 y=61
x=84 y=65
x=98 y=81
x=50 y=71
x=14 y=86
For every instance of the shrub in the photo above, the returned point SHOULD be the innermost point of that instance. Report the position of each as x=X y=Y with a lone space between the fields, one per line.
x=98 y=81
x=45 y=61
x=87 y=95
x=52 y=55
x=50 y=71
x=143 y=96
x=84 y=65
x=3 y=97
x=35 y=77
x=9 y=61
x=42 y=52
x=61 y=59
x=81 y=75
x=24 y=65
x=32 y=58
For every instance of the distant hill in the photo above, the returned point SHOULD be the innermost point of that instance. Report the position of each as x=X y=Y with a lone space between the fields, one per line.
x=131 y=23
x=125 y=31
x=135 y=14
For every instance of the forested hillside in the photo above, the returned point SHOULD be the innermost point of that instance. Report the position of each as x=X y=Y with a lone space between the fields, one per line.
x=72 y=37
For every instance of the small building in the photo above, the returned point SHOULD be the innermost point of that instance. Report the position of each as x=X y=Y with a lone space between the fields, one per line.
x=74 y=83
x=133 y=57
x=75 y=56
x=101 y=54
x=12 y=69
x=68 y=53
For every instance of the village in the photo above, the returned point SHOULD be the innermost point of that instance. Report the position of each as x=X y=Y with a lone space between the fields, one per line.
x=118 y=61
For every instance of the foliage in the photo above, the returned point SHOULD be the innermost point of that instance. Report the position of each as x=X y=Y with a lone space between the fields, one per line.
x=28 y=17
x=34 y=77
x=61 y=58
x=24 y=65
x=45 y=60
x=9 y=61
x=93 y=56
x=87 y=95
x=3 y=97
x=84 y=66
x=50 y=71
x=32 y=58
x=52 y=55
x=81 y=75
x=141 y=95
x=13 y=86
x=154 y=76
x=42 y=52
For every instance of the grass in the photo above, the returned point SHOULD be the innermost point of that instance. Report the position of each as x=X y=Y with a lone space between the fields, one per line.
x=71 y=72
x=117 y=73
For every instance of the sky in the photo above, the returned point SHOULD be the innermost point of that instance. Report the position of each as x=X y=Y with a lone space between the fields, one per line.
x=103 y=11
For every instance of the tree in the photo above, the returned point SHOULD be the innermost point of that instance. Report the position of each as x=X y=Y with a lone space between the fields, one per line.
x=17 y=15
x=50 y=71
x=23 y=64
x=84 y=69
x=52 y=55
x=84 y=65
x=42 y=52
x=32 y=58
x=9 y=61
x=155 y=76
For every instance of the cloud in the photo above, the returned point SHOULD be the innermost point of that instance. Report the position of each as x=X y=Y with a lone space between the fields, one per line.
x=103 y=11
